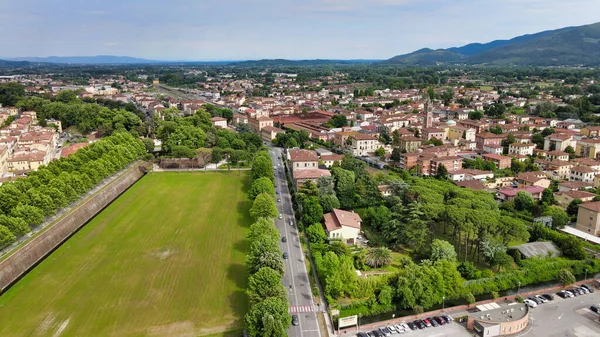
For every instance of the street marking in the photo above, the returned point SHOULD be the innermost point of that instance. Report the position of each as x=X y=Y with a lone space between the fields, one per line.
x=561 y=315
x=301 y=308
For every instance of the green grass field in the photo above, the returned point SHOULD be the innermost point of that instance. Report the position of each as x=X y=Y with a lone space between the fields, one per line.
x=164 y=259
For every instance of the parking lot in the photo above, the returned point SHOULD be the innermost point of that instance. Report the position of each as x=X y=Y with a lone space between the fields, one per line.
x=570 y=317
x=565 y=317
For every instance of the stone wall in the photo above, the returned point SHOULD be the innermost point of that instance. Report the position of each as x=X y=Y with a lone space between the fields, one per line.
x=34 y=251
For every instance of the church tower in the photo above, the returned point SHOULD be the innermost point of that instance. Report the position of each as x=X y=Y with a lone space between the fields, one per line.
x=428 y=113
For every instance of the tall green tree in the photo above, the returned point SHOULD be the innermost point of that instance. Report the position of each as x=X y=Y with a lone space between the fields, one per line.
x=442 y=250
x=379 y=257
x=265 y=283
x=6 y=237
x=262 y=185
x=268 y=318
x=264 y=207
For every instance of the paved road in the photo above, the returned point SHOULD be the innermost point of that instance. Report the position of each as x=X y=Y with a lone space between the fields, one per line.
x=300 y=295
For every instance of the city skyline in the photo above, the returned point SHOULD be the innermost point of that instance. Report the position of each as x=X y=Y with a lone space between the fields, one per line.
x=238 y=30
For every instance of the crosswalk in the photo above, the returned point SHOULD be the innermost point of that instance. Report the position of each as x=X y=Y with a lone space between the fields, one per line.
x=301 y=308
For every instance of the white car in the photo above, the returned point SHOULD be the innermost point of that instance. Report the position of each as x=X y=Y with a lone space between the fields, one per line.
x=280 y=216
x=530 y=303
x=541 y=298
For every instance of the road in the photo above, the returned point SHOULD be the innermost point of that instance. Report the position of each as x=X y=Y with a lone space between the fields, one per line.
x=296 y=275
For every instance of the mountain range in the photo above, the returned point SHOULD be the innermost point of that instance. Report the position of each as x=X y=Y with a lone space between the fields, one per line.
x=570 y=46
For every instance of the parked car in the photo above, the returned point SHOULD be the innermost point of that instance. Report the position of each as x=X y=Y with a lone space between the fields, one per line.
x=370 y=334
x=569 y=294
x=448 y=318
x=590 y=289
x=405 y=326
x=434 y=323
x=284 y=239
x=280 y=216
x=584 y=290
x=285 y=256
x=276 y=192
x=541 y=298
x=530 y=303
x=574 y=291
x=595 y=308
x=419 y=324
x=295 y=320
x=391 y=328
x=426 y=322
x=548 y=297
x=412 y=325
x=377 y=333
x=385 y=331
x=440 y=320
x=361 y=334
x=537 y=301
x=562 y=294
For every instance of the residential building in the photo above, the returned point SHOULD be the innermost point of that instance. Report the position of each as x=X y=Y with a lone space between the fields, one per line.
x=501 y=162
x=573 y=186
x=488 y=138
x=565 y=198
x=588 y=218
x=534 y=179
x=509 y=193
x=342 y=225
x=582 y=173
x=557 y=141
x=493 y=149
x=3 y=160
x=386 y=190
x=409 y=144
x=329 y=160
x=591 y=131
x=559 y=170
x=268 y=133
x=362 y=144
x=557 y=155
x=470 y=174
x=260 y=122
x=219 y=122
x=302 y=159
x=302 y=176
x=521 y=149
x=428 y=133
x=588 y=148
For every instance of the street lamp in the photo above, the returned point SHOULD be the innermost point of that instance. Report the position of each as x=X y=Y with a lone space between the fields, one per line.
x=443 y=302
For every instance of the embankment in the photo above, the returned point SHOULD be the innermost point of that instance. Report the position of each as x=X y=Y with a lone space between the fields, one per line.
x=27 y=256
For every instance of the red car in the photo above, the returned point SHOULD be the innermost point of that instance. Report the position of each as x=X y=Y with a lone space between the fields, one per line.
x=427 y=322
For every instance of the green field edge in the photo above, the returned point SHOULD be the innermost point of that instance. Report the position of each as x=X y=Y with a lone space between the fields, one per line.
x=62 y=216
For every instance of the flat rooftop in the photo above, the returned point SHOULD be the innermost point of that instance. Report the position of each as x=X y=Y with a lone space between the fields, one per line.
x=540 y=248
x=581 y=234
x=504 y=313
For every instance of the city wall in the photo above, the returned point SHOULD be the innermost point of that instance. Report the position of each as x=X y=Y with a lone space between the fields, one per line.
x=36 y=249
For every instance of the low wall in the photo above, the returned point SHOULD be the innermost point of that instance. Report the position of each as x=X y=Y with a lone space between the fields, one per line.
x=27 y=256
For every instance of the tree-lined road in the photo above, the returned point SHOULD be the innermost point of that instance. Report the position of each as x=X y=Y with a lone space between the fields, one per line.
x=296 y=275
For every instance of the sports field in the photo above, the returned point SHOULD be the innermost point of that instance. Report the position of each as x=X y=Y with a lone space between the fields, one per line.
x=165 y=259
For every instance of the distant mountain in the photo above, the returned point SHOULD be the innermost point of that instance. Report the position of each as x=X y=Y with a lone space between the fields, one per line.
x=571 y=46
x=284 y=62
x=100 y=59
x=14 y=64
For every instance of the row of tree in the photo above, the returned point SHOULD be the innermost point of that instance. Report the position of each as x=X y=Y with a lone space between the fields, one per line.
x=26 y=202
x=268 y=315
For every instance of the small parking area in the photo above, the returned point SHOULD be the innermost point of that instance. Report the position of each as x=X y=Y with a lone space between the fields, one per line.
x=449 y=330
x=565 y=317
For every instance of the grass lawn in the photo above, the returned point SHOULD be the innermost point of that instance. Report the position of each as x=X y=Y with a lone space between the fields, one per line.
x=165 y=259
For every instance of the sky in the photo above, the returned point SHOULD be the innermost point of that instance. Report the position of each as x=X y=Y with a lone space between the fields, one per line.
x=202 y=30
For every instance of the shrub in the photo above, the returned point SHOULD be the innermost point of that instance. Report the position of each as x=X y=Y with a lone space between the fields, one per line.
x=566 y=277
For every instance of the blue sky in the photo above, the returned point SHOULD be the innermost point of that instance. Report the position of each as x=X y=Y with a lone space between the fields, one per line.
x=256 y=29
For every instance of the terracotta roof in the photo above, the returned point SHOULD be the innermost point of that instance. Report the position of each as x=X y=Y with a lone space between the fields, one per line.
x=495 y=156
x=338 y=218
x=489 y=135
x=579 y=194
x=592 y=206
x=511 y=192
x=332 y=157
x=69 y=150
x=582 y=169
x=311 y=174
x=574 y=185
x=557 y=153
x=218 y=119
x=303 y=155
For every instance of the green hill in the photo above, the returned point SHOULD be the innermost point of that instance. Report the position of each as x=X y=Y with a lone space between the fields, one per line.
x=571 y=46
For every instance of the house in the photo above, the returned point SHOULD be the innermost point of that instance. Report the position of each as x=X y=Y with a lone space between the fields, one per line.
x=557 y=141
x=521 y=149
x=3 y=160
x=470 y=174
x=475 y=185
x=386 y=190
x=591 y=131
x=302 y=176
x=342 y=225
x=488 y=138
x=507 y=194
x=565 y=198
x=362 y=144
x=428 y=133
x=574 y=186
x=219 y=122
x=303 y=159
x=588 y=218
x=501 y=162
x=493 y=149
x=534 y=179
x=260 y=122
x=559 y=170
x=588 y=148
x=330 y=159
x=582 y=173
x=268 y=133
x=409 y=143
x=557 y=155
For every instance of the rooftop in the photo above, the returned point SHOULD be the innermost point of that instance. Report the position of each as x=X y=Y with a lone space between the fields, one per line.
x=303 y=155
x=539 y=248
x=505 y=313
